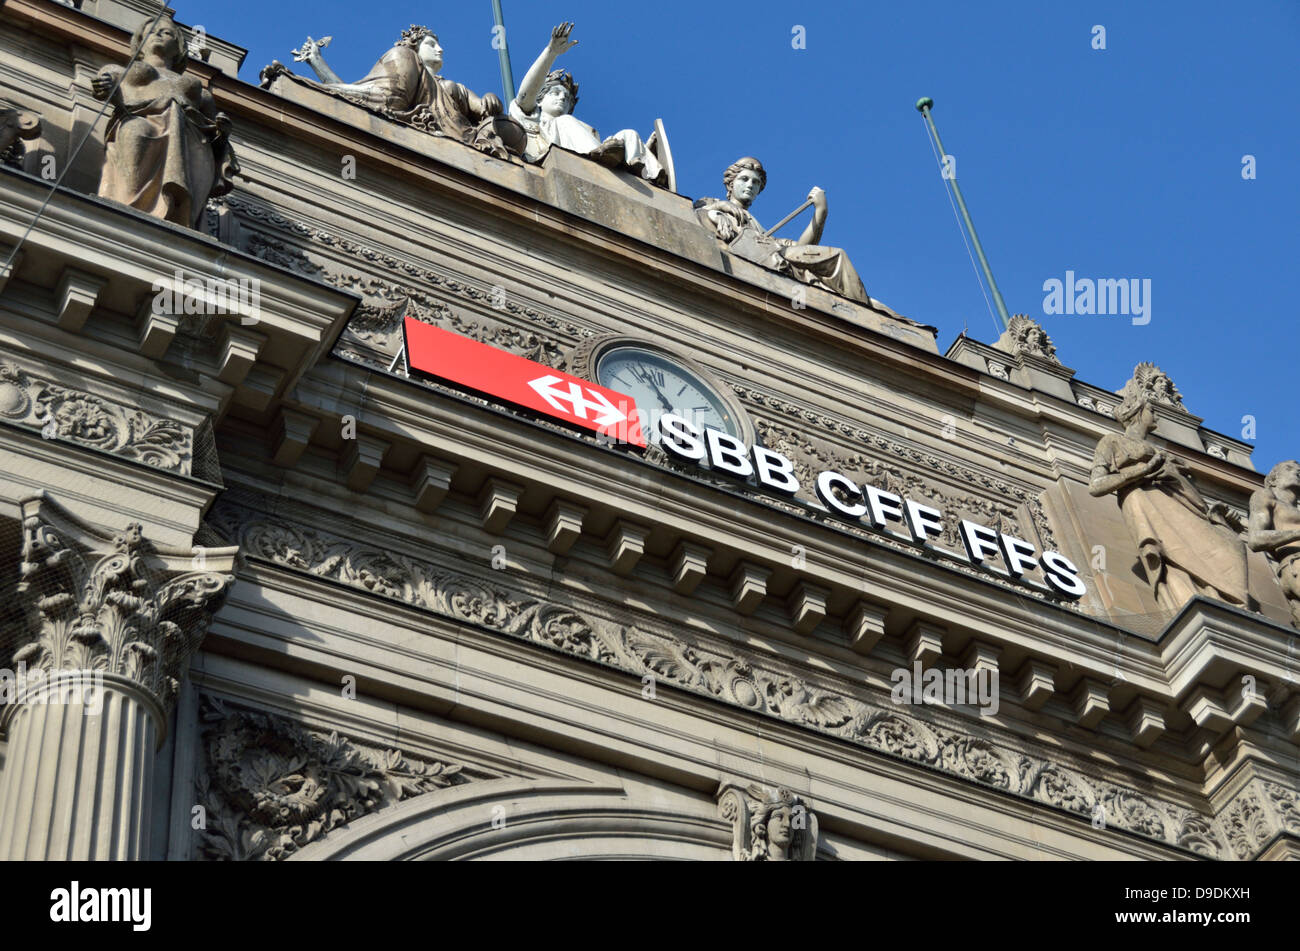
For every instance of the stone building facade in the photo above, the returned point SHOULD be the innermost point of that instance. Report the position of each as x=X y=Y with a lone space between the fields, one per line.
x=338 y=609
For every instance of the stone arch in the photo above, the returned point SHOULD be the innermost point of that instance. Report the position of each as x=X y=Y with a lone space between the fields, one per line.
x=535 y=819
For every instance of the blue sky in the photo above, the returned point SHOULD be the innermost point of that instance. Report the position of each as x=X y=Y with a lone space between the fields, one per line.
x=1117 y=163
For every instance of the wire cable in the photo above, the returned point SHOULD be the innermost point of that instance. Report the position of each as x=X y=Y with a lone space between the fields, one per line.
x=72 y=158
x=966 y=241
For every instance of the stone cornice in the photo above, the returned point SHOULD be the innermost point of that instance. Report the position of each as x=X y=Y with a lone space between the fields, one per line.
x=743 y=679
x=298 y=317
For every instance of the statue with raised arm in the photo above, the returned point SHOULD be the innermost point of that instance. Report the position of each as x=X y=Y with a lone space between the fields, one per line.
x=805 y=260
x=544 y=107
x=1275 y=527
x=406 y=84
x=1186 y=546
x=167 y=150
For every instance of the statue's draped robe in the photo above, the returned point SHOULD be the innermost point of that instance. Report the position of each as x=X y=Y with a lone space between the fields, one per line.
x=164 y=155
x=815 y=264
x=399 y=84
x=571 y=133
x=1183 y=551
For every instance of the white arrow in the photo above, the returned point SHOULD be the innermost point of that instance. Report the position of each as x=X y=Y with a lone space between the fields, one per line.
x=545 y=387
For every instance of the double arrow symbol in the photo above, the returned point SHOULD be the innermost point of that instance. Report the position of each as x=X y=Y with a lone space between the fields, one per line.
x=606 y=413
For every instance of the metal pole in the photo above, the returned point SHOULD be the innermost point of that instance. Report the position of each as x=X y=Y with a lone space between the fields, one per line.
x=924 y=106
x=507 y=77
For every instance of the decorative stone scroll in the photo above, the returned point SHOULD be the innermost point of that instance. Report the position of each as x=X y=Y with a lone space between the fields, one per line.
x=60 y=412
x=269 y=786
x=1257 y=815
x=714 y=668
x=768 y=825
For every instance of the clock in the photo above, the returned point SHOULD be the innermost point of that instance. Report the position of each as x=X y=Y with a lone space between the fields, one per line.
x=660 y=385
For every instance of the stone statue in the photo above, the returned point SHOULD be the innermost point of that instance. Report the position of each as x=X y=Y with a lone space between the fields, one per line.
x=544 y=107
x=167 y=148
x=1186 y=546
x=769 y=825
x=1275 y=527
x=1026 y=336
x=804 y=260
x=1155 y=383
x=405 y=84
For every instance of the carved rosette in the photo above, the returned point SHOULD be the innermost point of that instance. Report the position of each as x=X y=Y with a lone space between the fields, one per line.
x=113 y=602
x=268 y=786
x=1026 y=337
x=768 y=825
x=60 y=412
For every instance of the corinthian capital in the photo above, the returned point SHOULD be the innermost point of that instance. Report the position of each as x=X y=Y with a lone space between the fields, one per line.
x=114 y=602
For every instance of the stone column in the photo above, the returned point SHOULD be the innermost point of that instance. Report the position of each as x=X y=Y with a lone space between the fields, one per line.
x=112 y=621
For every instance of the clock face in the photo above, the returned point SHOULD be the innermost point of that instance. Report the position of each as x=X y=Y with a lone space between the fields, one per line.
x=660 y=386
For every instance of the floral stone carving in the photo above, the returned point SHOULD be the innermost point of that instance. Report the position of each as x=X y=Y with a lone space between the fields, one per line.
x=713 y=667
x=112 y=601
x=61 y=412
x=269 y=786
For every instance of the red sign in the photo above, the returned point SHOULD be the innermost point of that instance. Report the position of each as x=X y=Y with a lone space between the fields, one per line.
x=475 y=366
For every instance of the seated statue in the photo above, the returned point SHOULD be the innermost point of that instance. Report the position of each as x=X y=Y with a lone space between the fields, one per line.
x=406 y=85
x=544 y=107
x=167 y=150
x=804 y=260
x=1187 y=547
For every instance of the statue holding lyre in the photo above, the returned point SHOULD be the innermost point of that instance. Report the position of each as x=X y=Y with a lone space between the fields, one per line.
x=803 y=259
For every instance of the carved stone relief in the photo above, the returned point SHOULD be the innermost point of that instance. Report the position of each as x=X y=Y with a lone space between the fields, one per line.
x=1257 y=815
x=60 y=412
x=1154 y=383
x=21 y=142
x=376 y=330
x=1024 y=336
x=768 y=825
x=269 y=786
x=114 y=602
x=750 y=682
